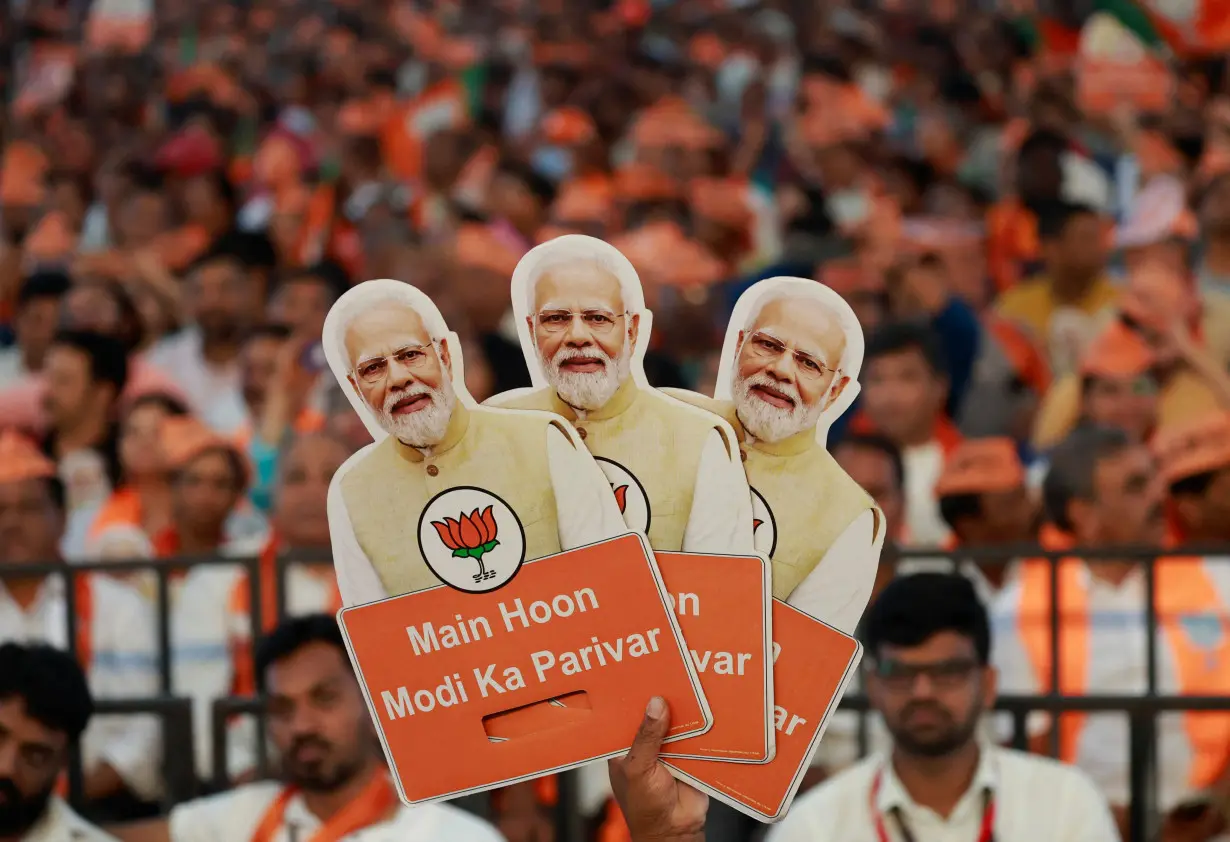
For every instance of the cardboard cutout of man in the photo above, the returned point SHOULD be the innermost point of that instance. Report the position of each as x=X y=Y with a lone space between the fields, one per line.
x=675 y=469
x=789 y=366
x=450 y=491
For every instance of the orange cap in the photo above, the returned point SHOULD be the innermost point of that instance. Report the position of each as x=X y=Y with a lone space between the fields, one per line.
x=1116 y=352
x=22 y=171
x=980 y=466
x=51 y=239
x=21 y=460
x=1194 y=447
x=184 y=438
x=568 y=126
x=479 y=248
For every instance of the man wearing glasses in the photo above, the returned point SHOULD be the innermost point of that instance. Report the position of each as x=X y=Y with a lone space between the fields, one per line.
x=928 y=643
x=481 y=490
x=675 y=469
x=796 y=352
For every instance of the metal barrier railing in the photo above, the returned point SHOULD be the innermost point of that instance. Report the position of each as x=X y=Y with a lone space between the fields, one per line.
x=1141 y=709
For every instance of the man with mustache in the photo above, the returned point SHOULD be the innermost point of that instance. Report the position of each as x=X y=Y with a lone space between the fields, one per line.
x=335 y=784
x=502 y=468
x=1104 y=490
x=675 y=470
x=45 y=704
x=792 y=360
x=927 y=673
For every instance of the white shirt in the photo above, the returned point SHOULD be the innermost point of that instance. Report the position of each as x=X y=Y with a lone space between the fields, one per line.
x=1117 y=666
x=234 y=816
x=1035 y=799
x=720 y=522
x=216 y=393
x=61 y=824
x=838 y=588
x=586 y=513
x=124 y=665
x=923 y=465
x=12 y=367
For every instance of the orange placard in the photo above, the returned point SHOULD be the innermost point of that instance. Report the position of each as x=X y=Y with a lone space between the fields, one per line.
x=592 y=623
x=813 y=662
x=724 y=605
x=1103 y=84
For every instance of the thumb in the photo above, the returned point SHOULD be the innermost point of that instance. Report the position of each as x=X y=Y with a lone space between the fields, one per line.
x=643 y=755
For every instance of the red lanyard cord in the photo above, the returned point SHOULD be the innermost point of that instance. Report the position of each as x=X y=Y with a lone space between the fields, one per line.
x=985 y=834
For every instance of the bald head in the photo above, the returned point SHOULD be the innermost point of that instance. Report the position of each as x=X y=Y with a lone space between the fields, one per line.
x=582 y=332
x=786 y=372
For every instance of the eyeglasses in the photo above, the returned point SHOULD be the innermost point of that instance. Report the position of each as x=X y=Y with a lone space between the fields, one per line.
x=373 y=369
x=597 y=321
x=766 y=347
x=944 y=675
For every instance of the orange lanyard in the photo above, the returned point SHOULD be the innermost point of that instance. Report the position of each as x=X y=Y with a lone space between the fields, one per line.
x=369 y=807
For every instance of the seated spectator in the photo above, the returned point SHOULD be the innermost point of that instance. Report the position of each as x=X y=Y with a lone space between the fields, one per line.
x=334 y=779
x=1103 y=491
x=1073 y=297
x=116 y=638
x=1157 y=311
x=928 y=674
x=905 y=385
x=1195 y=458
x=35 y=319
x=984 y=501
x=45 y=705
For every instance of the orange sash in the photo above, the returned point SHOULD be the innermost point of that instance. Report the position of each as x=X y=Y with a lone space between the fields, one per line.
x=244 y=681
x=369 y=807
x=1188 y=608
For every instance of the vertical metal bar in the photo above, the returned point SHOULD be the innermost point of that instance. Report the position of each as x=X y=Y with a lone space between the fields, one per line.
x=1055 y=690
x=283 y=568
x=569 y=823
x=1020 y=729
x=1151 y=623
x=164 y=629
x=76 y=772
x=1141 y=743
x=256 y=613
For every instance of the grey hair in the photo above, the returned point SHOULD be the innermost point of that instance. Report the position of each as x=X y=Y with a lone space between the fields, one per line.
x=851 y=361
x=372 y=295
x=574 y=249
x=1073 y=464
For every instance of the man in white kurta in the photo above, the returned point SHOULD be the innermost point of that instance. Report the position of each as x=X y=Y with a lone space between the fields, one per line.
x=116 y=639
x=821 y=531
x=468 y=480
x=674 y=468
x=335 y=783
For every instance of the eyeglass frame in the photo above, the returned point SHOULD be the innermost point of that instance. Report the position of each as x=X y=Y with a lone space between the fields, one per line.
x=385 y=358
x=573 y=315
x=821 y=368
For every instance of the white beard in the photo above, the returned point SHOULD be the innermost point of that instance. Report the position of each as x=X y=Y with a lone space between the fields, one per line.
x=585 y=390
x=425 y=428
x=770 y=423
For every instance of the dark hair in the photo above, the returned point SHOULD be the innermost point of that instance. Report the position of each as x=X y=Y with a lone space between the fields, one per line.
x=46 y=283
x=108 y=356
x=1197 y=485
x=882 y=445
x=295 y=633
x=914 y=608
x=1042 y=141
x=899 y=337
x=1055 y=217
x=954 y=507
x=539 y=185
x=251 y=250
x=169 y=404
x=51 y=684
x=329 y=274
x=1073 y=463
x=144 y=179
x=270 y=330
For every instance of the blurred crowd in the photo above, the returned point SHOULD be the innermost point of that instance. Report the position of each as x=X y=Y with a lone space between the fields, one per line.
x=1028 y=208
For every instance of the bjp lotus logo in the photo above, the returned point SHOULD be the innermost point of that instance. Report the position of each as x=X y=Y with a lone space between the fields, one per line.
x=629 y=494
x=756 y=523
x=471 y=536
